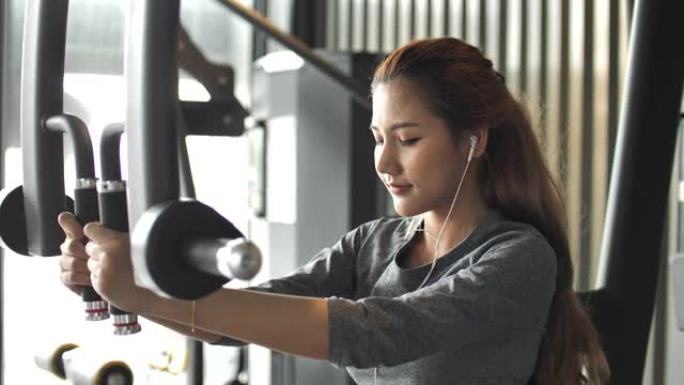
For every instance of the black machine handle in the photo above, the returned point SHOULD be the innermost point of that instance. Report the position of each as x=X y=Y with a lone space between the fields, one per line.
x=85 y=194
x=113 y=209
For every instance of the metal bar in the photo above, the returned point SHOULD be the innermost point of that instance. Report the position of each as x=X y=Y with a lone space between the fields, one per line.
x=357 y=91
x=77 y=132
x=41 y=95
x=196 y=366
x=564 y=94
x=109 y=149
x=639 y=188
x=629 y=8
x=587 y=159
x=4 y=32
x=187 y=186
x=151 y=118
x=613 y=77
x=660 y=323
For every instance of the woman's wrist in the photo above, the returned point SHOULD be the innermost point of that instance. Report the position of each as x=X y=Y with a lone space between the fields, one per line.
x=146 y=302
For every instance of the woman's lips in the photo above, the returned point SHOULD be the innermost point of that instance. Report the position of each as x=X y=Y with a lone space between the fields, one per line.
x=398 y=189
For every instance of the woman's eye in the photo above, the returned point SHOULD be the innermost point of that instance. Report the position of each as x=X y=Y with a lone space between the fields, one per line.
x=408 y=142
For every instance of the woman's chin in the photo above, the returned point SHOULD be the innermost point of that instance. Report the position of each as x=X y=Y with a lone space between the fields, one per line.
x=406 y=210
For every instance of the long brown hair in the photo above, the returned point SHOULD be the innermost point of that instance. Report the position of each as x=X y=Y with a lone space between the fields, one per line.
x=464 y=90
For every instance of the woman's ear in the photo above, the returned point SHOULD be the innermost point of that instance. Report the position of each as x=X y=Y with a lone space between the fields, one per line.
x=482 y=138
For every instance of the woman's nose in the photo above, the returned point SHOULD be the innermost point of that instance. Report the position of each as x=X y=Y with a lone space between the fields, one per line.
x=385 y=160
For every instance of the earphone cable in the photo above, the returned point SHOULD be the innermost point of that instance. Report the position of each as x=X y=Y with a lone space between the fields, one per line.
x=439 y=235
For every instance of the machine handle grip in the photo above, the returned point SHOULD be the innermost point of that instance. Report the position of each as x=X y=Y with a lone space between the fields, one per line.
x=86 y=210
x=113 y=210
x=113 y=215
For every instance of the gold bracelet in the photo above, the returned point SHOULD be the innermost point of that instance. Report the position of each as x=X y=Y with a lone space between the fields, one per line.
x=194 y=315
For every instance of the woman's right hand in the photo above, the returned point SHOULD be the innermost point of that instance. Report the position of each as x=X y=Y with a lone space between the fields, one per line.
x=74 y=261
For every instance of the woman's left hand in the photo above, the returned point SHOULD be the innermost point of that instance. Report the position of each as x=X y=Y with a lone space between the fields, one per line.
x=110 y=267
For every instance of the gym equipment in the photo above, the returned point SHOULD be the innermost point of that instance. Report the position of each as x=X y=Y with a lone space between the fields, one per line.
x=13 y=219
x=191 y=250
x=82 y=367
x=41 y=198
x=111 y=194
x=182 y=249
x=356 y=89
x=41 y=97
x=677 y=267
x=622 y=307
x=50 y=358
x=241 y=374
x=85 y=193
x=222 y=115
x=92 y=368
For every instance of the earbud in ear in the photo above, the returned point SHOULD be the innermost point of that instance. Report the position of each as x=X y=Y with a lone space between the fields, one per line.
x=473 y=143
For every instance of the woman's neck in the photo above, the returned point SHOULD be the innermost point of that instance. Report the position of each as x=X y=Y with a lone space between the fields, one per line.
x=465 y=216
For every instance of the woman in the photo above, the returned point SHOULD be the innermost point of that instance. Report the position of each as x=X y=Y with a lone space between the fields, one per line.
x=471 y=285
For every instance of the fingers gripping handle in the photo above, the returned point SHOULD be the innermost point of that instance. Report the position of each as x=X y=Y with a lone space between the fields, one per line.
x=113 y=211
x=113 y=216
x=85 y=194
x=86 y=210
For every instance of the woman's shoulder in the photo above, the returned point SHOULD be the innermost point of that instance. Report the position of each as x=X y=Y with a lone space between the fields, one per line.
x=382 y=231
x=506 y=232
x=504 y=238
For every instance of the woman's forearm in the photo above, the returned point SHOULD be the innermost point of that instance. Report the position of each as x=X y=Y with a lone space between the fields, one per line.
x=289 y=324
x=185 y=330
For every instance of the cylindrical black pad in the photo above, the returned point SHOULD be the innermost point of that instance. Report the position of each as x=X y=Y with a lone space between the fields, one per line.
x=159 y=237
x=13 y=229
x=13 y=221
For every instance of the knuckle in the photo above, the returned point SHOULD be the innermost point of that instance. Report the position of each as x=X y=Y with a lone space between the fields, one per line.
x=67 y=278
x=76 y=264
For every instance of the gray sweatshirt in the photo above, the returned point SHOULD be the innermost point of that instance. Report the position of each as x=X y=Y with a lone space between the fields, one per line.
x=478 y=320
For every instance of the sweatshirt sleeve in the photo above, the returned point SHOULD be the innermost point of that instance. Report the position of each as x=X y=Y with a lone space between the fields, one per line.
x=509 y=288
x=331 y=272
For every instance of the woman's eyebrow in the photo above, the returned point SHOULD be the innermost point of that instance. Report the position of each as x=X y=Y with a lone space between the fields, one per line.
x=397 y=126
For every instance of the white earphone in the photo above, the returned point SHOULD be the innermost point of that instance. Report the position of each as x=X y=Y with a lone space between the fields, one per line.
x=471 y=151
x=473 y=143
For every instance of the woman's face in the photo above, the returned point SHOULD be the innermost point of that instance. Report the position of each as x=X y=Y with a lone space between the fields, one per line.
x=415 y=154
